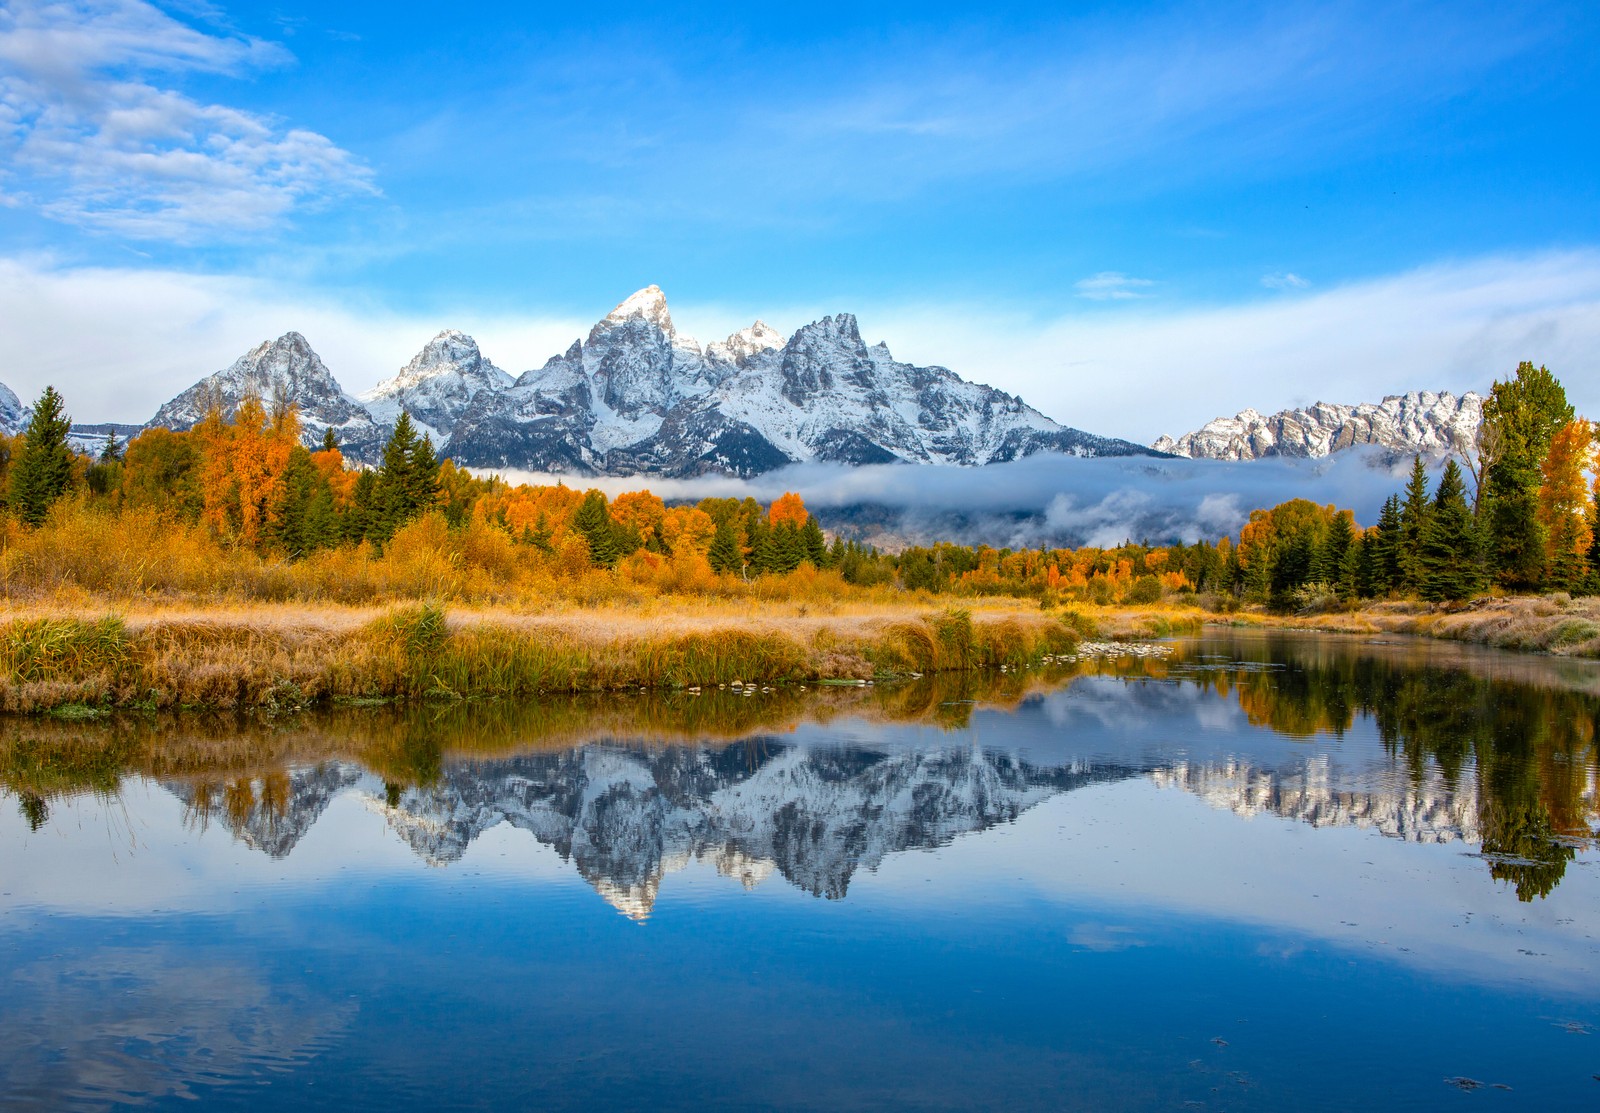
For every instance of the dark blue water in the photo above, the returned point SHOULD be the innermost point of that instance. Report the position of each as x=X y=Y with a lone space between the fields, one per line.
x=1263 y=874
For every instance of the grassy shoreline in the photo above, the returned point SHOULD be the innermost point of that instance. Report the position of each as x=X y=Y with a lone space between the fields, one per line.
x=277 y=658
x=285 y=658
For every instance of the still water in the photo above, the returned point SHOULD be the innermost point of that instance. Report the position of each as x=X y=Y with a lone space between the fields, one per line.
x=1263 y=872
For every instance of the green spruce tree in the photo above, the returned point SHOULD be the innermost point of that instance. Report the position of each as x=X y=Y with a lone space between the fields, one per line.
x=816 y=545
x=1447 y=558
x=408 y=480
x=42 y=471
x=1414 y=512
x=725 y=555
x=593 y=522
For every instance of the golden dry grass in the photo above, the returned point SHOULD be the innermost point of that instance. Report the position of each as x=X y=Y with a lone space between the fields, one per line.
x=286 y=656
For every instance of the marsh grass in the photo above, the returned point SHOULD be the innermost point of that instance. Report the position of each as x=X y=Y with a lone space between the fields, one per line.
x=281 y=660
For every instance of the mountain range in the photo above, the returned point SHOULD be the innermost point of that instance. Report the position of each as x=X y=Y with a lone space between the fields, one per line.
x=637 y=397
x=1420 y=421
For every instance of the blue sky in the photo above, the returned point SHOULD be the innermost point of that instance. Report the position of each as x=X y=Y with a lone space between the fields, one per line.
x=1206 y=205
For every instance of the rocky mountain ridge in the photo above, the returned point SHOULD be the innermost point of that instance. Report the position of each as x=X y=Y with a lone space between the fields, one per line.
x=636 y=397
x=1419 y=421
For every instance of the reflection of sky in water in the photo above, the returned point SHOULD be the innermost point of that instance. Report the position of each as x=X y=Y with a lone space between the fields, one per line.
x=1120 y=895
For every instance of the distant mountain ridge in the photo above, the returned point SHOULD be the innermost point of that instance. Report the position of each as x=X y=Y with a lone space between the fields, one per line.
x=1420 y=421
x=636 y=397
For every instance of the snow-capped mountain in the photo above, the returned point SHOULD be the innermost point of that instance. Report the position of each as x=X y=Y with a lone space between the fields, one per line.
x=13 y=414
x=286 y=368
x=438 y=385
x=637 y=397
x=1420 y=421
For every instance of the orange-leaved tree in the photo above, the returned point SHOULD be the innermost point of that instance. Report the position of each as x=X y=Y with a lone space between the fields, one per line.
x=1564 y=502
x=243 y=466
x=790 y=508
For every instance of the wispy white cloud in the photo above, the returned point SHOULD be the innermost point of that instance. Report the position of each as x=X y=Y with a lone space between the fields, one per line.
x=1112 y=286
x=1141 y=368
x=94 y=138
x=1286 y=280
x=121 y=341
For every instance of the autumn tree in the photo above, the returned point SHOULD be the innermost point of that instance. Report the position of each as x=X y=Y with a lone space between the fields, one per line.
x=788 y=509
x=1563 y=503
x=42 y=471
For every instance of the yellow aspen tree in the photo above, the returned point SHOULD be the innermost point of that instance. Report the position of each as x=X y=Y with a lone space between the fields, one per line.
x=1564 y=502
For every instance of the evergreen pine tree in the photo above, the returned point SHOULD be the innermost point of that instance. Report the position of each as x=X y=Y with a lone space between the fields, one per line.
x=1386 y=574
x=408 y=480
x=112 y=452
x=763 y=554
x=724 y=554
x=816 y=545
x=330 y=442
x=540 y=533
x=1327 y=567
x=1447 y=559
x=1413 y=520
x=836 y=554
x=593 y=521
x=42 y=471
x=361 y=519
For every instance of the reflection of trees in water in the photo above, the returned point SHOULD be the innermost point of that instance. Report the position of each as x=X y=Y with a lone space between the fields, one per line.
x=1519 y=756
x=1533 y=748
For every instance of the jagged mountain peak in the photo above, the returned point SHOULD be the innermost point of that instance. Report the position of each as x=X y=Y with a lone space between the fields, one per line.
x=648 y=304
x=1418 y=421
x=748 y=342
x=439 y=383
x=288 y=367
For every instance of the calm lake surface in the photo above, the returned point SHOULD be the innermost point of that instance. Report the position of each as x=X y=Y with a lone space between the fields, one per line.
x=1264 y=872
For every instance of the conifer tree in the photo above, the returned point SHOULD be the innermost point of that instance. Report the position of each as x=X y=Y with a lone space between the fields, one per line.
x=816 y=544
x=408 y=480
x=724 y=554
x=1413 y=521
x=330 y=442
x=593 y=522
x=1327 y=566
x=111 y=453
x=763 y=554
x=42 y=471
x=1386 y=573
x=1447 y=560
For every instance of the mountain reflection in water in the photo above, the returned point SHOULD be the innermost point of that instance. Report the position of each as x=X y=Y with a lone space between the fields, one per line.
x=814 y=787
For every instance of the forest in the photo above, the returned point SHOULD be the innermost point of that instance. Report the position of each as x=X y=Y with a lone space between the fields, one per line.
x=238 y=507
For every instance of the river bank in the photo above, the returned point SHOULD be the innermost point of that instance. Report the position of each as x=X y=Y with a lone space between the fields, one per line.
x=285 y=657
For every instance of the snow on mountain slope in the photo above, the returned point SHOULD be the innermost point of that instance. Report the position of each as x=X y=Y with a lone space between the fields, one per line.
x=1420 y=421
x=286 y=368
x=438 y=385
x=13 y=414
x=636 y=397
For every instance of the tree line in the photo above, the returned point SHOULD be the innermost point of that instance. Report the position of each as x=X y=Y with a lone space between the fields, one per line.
x=1520 y=512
